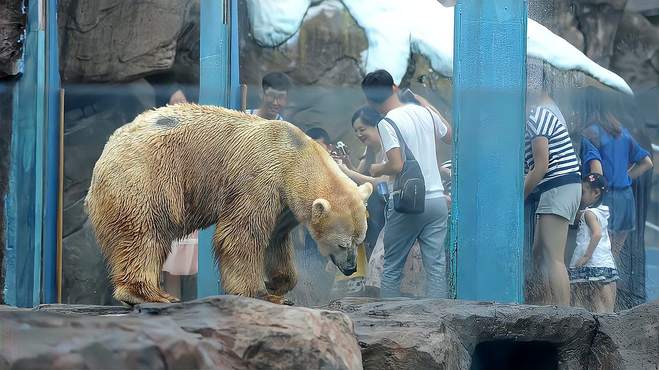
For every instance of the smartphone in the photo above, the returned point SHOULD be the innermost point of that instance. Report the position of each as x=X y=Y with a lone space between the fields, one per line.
x=407 y=96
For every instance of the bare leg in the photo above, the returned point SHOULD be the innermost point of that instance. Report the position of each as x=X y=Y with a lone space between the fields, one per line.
x=136 y=276
x=538 y=283
x=618 y=241
x=172 y=284
x=607 y=297
x=551 y=238
x=580 y=293
x=590 y=297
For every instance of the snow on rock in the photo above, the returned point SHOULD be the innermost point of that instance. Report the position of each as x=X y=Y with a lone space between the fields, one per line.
x=395 y=28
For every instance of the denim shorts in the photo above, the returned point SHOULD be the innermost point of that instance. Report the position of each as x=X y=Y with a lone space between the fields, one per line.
x=622 y=206
x=586 y=274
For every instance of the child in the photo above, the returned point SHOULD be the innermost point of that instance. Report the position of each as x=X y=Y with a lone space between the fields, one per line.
x=592 y=270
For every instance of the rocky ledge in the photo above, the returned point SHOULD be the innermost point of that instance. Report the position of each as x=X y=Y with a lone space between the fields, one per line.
x=230 y=332
x=445 y=334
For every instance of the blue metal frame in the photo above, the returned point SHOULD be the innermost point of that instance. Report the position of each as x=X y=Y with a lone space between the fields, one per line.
x=218 y=85
x=489 y=69
x=52 y=156
x=26 y=173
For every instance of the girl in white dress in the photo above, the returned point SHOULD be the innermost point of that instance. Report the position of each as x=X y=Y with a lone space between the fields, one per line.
x=592 y=269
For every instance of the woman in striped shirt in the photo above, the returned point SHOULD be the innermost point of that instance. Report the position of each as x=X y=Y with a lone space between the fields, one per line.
x=553 y=179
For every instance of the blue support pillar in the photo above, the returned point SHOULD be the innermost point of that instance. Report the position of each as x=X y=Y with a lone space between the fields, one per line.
x=489 y=81
x=52 y=156
x=24 y=201
x=217 y=86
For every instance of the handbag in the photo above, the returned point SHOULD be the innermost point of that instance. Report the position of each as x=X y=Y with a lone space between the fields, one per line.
x=409 y=191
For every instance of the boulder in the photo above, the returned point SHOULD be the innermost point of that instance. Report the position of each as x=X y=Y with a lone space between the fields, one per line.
x=444 y=334
x=242 y=333
x=636 y=55
x=628 y=340
x=225 y=332
x=12 y=28
x=448 y=334
x=107 y=40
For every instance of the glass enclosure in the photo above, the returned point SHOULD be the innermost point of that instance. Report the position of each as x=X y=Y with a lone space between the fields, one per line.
x=119 y=61
x=115 y=64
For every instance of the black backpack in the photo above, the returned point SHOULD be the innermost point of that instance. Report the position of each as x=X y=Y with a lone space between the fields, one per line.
x=409 y=193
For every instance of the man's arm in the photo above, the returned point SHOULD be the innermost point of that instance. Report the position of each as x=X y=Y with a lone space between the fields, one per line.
x=391 y=167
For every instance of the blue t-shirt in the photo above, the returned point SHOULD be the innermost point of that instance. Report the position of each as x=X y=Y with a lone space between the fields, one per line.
x=615 y=153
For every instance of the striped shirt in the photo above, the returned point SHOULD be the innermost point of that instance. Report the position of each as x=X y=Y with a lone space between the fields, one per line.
x=562 y=157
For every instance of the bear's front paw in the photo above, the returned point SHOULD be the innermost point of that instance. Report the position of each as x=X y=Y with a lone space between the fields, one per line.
x=281 y=284
x=276 y=299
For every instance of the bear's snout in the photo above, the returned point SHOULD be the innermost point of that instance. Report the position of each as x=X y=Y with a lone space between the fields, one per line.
x=350 y=271
x=348 y=266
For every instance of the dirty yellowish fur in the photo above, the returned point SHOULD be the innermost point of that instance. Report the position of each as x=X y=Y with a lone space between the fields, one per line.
x=185 y=167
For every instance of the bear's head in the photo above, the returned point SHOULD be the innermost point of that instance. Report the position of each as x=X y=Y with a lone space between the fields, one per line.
x=340 y=227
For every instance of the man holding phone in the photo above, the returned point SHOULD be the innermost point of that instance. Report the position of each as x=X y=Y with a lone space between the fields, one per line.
x=419 y=128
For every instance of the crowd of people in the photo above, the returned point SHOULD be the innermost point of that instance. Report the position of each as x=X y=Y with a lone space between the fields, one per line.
x=591 y=189
x=404 y=250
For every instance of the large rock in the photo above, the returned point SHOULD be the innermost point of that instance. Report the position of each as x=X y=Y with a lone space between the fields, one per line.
x=636 y=55
x=216 y=333
x=630 y=339
x=119 y=40
x=12 y=28
x=445 y=334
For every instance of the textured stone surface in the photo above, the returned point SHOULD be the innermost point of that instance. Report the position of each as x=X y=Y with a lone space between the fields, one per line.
x=444 y=334
x=12 y=26
x=242 y=333
x=217 y=333
x=637 y=51
x=119 y=40
x=630 y=339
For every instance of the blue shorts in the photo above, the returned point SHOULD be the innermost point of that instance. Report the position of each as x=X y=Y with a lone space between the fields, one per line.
x=622 y=206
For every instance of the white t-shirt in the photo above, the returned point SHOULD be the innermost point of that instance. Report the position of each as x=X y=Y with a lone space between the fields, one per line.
x=602 y=256
x=416 y=125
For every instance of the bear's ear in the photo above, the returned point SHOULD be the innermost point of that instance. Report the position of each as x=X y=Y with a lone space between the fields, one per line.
x=365 y=191
x=320 y=208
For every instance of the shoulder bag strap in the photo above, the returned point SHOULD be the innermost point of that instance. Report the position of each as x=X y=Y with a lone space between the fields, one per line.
x=406 y=152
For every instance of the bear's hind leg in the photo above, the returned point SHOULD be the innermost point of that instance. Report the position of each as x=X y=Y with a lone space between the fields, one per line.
x=280 y=267
x=137 y=278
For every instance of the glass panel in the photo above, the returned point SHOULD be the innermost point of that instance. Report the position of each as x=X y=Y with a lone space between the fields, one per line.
x=324 y=53
x=117 y=62
x=323 y=60
x=612 y=135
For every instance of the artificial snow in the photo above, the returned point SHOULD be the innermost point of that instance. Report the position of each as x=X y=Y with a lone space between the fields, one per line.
x=395 y=28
